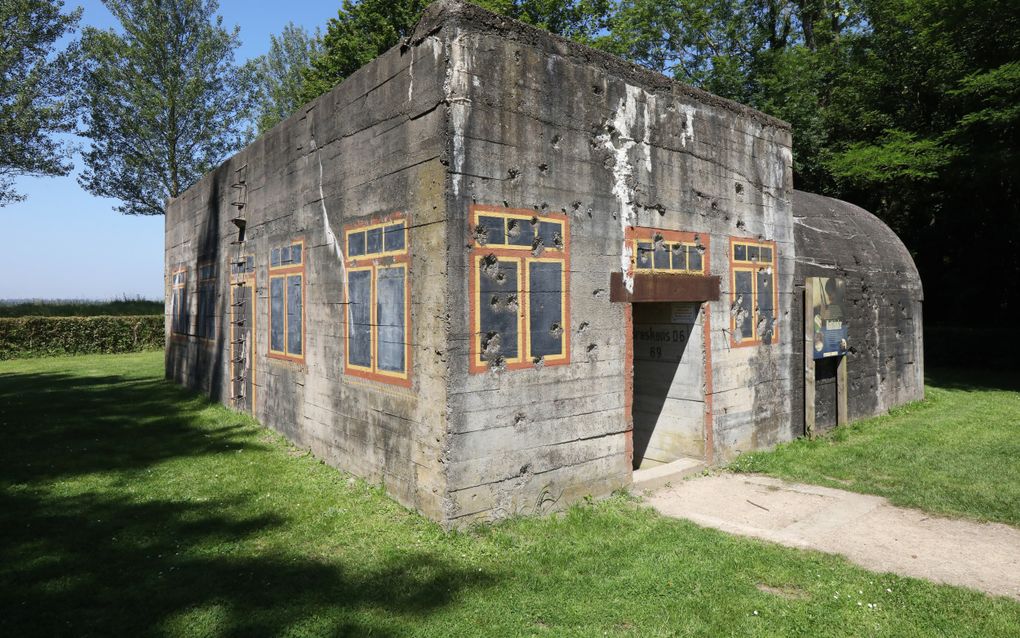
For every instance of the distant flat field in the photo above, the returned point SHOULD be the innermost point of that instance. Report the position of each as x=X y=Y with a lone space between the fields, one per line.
x=130 y=507
x=116 y=308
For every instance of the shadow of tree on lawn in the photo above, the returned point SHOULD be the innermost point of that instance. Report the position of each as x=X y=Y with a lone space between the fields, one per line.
x=105 y=561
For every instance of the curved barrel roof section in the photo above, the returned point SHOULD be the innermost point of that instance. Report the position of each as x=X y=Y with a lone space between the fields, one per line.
x=834 y=234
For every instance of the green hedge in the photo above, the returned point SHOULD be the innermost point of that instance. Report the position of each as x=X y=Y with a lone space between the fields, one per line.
x=43 y=336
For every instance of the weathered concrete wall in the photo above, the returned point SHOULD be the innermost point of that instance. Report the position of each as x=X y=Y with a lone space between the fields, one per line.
x=885 y=366
x=479 y=116
x=539 y=123
x=371 y=147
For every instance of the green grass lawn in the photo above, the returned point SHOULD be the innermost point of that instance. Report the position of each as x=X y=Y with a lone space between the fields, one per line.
x=129 y=507
x=956 y=453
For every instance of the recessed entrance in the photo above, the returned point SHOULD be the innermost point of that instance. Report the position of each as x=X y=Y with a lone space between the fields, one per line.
x=669 y=383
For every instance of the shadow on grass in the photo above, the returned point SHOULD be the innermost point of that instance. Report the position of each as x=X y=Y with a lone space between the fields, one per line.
x=79 y=561
x=972 y=380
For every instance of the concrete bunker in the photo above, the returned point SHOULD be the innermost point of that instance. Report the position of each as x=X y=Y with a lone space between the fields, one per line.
x=495 y=270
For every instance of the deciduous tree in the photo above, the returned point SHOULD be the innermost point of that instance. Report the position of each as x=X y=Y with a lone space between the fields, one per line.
x=37 y=83
x=164 y=100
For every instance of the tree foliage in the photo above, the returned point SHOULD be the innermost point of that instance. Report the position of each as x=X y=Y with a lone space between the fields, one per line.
x=164 y=100
x=36 y=85
x=365 y=29
x=279 y=74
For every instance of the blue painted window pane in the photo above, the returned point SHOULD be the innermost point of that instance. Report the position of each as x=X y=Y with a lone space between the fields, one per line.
x=498 y=309
x=359 y=318
x=644 y=255
x=393 y=237
x=766 y=255
x=743 y=305
x=275 y=259
x=545 y=286
x=356 y=244
x=495 y=229
x=549 y=232
x=295 y=254
x=373 y=241
x=752 y=253
x=766 y=312
x=662 y=256
x=390 y=316
x=740 y=252
x=250 y=264
x=520 y=232
x=679 y=257
x=694 y=259
x=276 y=317
x=294 y=340
x=285 y=255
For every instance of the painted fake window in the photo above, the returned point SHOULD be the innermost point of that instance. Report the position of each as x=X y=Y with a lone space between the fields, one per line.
x=753 y=292
x=378 y=301
x=286 y=302
x=519 y=280
x=206 y=327
x=655 y=250
x=179 y=302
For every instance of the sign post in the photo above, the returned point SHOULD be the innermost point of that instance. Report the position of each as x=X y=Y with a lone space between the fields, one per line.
x=826 y=333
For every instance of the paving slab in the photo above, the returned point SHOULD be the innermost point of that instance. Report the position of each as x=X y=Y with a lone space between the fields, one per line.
x=866 y=529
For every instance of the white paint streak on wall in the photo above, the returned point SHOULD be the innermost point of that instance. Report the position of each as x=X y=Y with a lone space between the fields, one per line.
x=455 y=89
x=331 y=239
x=687 y=135
x=410 y=75
x=617 y=139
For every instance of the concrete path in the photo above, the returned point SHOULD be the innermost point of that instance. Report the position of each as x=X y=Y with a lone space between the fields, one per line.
x=865 y=529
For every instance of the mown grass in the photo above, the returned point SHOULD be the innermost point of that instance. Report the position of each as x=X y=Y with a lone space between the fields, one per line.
x=56 y=308
x=956 y=453
x=129 y=507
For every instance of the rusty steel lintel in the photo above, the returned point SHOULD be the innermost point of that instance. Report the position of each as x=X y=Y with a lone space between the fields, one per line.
x=664 y=287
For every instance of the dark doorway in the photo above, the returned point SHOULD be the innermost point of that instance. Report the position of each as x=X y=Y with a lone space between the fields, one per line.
x=668 y=406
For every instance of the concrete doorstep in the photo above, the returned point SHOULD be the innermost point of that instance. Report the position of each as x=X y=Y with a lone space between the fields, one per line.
x=865 y=529
x=668 y=473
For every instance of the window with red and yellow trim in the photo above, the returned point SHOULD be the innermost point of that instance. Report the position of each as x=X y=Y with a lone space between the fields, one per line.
x=753 y=294
x=519 y=281
x=377 y=320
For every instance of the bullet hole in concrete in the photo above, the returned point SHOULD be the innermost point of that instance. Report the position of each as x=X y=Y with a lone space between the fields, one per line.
x=556 y=329
x=534 y=220
x=596 y=89
x=513 y=229
x=558 y=241
x=517 y=56
x=609 y=162
x=538 y=361
x=506 y=204
x=576 y=205
x=490 y=346
x=543 y=168
x=592 y=352
x=537 y=246
x=525 y=469
x=599 y=293
x=741 y=225
x=581 y=329
x=556 y=141
x=658 y=241
x=511 y=303
x=490 y=268
x=480 y=235
x=514 y=172
x=737 y=186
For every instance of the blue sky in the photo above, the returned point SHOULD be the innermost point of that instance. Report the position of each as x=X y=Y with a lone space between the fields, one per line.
x=62 y=243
